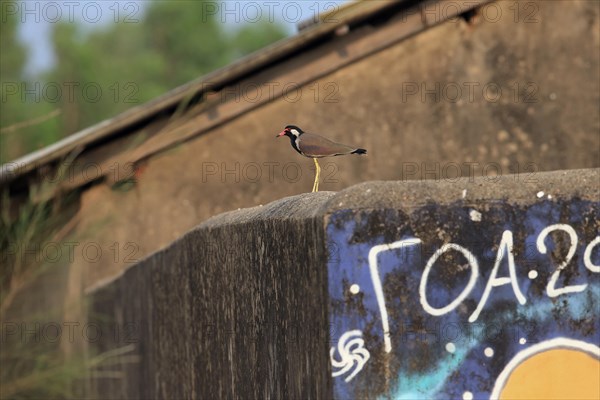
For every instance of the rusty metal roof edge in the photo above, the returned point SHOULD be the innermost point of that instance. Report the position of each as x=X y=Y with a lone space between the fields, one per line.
x=271 y=54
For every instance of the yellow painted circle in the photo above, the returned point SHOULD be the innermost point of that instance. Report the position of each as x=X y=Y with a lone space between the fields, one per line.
x=555 y=374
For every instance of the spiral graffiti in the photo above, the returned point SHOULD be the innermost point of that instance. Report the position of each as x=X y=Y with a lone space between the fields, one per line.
x=353 y=355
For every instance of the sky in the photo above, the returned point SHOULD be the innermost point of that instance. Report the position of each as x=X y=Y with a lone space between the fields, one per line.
x=39 y=16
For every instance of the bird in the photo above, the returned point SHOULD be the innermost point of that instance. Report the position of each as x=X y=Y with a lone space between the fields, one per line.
x=315 y=146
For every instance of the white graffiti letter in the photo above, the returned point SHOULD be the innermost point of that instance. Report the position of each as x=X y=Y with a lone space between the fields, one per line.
x=587 y=255
x=551 y=289
x=352 y=351
x=423 y=286
x=378 y=288
x=505 y=248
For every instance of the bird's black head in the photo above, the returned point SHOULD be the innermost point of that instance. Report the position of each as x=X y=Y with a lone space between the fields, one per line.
x=291 y=131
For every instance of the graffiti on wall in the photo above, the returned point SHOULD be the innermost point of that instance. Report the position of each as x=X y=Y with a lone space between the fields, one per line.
x=464 y=301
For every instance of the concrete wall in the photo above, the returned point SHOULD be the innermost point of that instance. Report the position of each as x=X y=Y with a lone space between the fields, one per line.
x=231 y=310
x=460 y=289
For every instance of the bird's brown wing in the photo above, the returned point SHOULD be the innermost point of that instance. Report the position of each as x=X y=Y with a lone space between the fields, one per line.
x=316 y=146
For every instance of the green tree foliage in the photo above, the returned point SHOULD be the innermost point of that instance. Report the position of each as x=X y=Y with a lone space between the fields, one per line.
x=190 y=41
x=113 y=67
x=250 y=38
x=12 y=61
x=13 y=52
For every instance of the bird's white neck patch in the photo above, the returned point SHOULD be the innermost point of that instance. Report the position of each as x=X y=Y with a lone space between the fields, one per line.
x=295 y=132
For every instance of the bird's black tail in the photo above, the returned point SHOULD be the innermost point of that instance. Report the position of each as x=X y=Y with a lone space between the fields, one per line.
x=359 y=151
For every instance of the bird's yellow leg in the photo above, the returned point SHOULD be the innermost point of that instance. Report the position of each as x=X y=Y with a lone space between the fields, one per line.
x=317 y=175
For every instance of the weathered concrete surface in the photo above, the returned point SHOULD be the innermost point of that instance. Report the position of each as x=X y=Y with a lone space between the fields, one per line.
x=307 y=205
x=240 y=307
x=234 y=309
x=513 y=189
x=443 y=290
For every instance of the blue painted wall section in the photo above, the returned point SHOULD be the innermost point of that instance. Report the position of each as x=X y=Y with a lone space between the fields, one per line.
x=435 y=302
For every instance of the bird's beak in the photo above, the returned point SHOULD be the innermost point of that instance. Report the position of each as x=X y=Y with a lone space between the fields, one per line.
x=282 y=133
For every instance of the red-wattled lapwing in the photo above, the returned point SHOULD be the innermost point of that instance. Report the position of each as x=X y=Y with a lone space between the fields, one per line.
x=315 y=146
